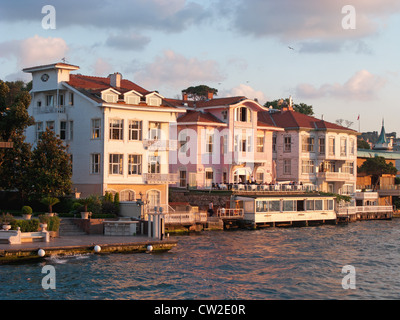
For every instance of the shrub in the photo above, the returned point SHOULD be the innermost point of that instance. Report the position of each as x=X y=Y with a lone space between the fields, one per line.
x=6 y=218
x=53 y=223
x=25 y=225
x=26 y=210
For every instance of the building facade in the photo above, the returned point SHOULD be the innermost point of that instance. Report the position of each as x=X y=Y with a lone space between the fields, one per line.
x=223 y=141
x=117 y=132
x=314 y=152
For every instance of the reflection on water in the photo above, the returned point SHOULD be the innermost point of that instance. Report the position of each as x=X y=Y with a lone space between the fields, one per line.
x=275 y=263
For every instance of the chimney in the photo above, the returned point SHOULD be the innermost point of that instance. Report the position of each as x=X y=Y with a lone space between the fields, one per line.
x=184 y=96
x=115 y=80
x=210 y=95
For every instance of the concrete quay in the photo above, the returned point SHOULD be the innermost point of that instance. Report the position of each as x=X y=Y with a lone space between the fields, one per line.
x=83 y=244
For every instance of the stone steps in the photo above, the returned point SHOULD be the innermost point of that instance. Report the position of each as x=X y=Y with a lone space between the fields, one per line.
x=69 y=228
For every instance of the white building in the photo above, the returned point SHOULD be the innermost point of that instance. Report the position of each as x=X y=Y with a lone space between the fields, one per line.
x=315 y=152
x=117 y=132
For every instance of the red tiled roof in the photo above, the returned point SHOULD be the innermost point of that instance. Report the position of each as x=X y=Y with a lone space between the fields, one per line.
x=219 y=102
x=198 y=116
x=293 y=119
x=97 y=84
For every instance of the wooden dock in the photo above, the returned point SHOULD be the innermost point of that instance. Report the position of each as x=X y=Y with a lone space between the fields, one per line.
x=71 y=245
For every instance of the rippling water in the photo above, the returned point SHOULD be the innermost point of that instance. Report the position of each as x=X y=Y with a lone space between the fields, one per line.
x=275 y=263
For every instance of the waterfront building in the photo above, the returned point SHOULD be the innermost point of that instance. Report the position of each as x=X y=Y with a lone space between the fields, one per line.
x=311 y=151
x=223 y=141
x=117 y=132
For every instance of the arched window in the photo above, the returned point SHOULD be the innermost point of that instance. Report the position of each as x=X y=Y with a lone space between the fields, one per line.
x=242 y=114
x=127 y=195
x=153 y=198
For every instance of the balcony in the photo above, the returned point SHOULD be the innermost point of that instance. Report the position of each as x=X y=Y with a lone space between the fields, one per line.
x=335 y=176
x=160 y=145
x=160 y=178
x=50 y=109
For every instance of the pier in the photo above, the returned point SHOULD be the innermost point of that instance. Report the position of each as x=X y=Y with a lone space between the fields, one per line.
x=85 y=244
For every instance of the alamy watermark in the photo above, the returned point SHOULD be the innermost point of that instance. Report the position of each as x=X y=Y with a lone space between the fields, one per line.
x=349 y=20
x=49 y=20
x=49 y=280
x=349 y=280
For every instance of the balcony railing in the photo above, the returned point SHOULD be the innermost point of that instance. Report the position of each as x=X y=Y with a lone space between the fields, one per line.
x=50 y=109
x=160 y=177
x=162 y=145
x=335 y=176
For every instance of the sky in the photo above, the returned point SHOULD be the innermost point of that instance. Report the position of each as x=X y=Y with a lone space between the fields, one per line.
x=340 y=56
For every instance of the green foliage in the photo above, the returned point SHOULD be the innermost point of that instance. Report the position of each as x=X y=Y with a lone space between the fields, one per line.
x=6 y=218
x=116 y=200
x=301 y=107
x=31 y=225
x=26 y=210
x=51 y=167
x=199 y=92
x=376 y=167
x=339 y=197
x=50 y=202
x=362 y=144
x=53 y=223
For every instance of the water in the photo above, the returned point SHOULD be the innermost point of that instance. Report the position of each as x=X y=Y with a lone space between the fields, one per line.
x=276 y=263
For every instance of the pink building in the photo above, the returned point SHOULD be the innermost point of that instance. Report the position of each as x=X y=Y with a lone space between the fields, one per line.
x=222 y=141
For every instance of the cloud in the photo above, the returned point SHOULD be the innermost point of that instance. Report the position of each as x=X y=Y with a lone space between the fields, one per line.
x=130 y=41
x=247 y=91
x=361 y=86
x=176 y=71
x=34 y=51
x=316 y=25
x=169 y=16
x=102 y=68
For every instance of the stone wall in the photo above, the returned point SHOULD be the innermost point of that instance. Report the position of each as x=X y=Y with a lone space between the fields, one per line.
x=200 y=199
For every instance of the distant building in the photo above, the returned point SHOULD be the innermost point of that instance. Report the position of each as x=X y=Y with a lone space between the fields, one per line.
x=117 y=132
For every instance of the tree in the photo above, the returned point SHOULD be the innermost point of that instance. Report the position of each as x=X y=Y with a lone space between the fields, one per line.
x=14 y=119
x=301 y=107
x=376 y=167
x=51 y=168
x=344 y=123
x=199 y=92
x=14 y=103
x=362 y=144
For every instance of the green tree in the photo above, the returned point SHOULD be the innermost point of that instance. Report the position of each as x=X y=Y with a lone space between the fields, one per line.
x=376 y=167
x=14 y=103
x=199 y=92
x=301 y=107
x=14 y=119
x=362 y=144
x=51 y=168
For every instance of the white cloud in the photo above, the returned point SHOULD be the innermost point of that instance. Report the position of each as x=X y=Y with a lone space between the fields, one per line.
x=34 y=51
x=176 y=71
x=309 y=23
x=244 y=90
x=102 y=68
x=361 y=86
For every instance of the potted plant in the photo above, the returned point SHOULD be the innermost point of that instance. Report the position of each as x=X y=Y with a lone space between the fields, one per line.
x=85 y=202
x=26 y=212
x=50 y=202
x=6 y=220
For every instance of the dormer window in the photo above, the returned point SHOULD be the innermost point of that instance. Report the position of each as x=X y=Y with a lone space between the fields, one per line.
x=110 y=95
x=243 y=114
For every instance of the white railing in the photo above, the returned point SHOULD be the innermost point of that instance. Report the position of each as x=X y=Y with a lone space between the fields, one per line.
x=165 y=208
x=363 y=209
x=186 y=218
x=273 y=187
x=50 y=109
x=230 y=213
x=156 y=144
x=160 y=177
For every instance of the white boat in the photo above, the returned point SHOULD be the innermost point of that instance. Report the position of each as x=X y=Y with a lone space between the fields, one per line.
x=288 y=209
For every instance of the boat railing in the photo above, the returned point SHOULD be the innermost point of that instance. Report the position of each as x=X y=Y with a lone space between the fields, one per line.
x=230 y=213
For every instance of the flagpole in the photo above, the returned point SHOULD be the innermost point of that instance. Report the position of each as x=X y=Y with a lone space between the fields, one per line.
x=359 y=128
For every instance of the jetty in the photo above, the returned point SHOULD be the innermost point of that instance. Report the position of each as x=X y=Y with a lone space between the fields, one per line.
x=82 y=244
